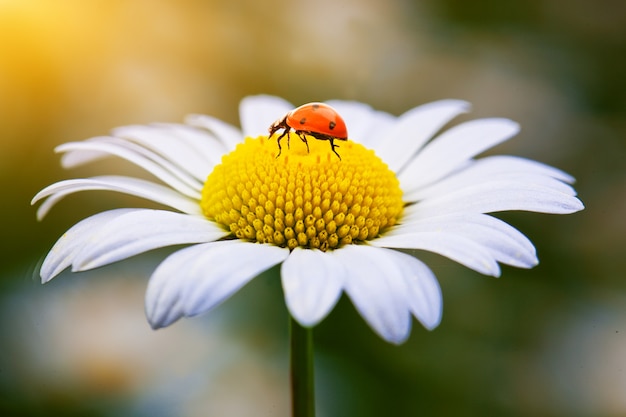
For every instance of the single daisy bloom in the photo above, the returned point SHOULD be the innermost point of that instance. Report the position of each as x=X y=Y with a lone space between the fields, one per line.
x=334 y=217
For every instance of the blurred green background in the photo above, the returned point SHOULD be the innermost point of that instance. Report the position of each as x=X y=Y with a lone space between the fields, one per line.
x=546 y=342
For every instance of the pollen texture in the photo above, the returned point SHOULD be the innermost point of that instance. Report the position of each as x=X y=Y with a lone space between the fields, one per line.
x=310 y=199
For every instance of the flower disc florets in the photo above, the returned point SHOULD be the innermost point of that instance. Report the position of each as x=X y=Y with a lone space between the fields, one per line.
x=307 y=198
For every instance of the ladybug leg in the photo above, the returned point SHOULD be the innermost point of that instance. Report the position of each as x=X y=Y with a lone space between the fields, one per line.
x=302 y=136
x=280 y=149
x=333 y=146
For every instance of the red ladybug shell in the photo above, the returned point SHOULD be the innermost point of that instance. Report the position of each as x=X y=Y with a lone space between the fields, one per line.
x=317 y=118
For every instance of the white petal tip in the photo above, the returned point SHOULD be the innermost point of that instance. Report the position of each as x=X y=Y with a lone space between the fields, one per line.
x=305 y=320
x=308 y=323
x=164 y=320
x=458 y=105
x=38 y=197
x=568 y=205
x=466 y=106
x=431 y=326
x=432 y=320
x=41 y=214
x=396 y=339
x=506 y=127
x=156 y=325
x=530 y=265
x=578 y=206
x=47 y=273
x=45 y=278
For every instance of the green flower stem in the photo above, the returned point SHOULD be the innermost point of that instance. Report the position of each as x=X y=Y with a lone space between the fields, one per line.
x=302 y=381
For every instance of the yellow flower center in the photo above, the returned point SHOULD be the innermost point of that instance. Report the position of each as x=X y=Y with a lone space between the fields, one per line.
x=310 y=199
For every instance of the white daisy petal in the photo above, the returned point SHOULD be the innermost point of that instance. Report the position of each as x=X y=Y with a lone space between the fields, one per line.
x=164 y=300
x=458 y=248
x=142 y=231
x=496 y=195
x=128 y=185
x=381 y=122
x=357 y=117
x=152 y=163
x=257 y=113
x=228 y=134
x=312 y=282
x=167 y=141
x=414 y=128
x=497 y=164
x=457 y=183
x=453 y=148
x=505 y=243
x=490 y=169
x=365 y=125
x=65 y=249
x=77 y=158
x=200 y=141
x=377 y=289
x=196 y=279
x=423 y=292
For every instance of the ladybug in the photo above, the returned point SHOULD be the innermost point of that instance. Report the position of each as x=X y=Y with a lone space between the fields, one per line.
x=318 y=120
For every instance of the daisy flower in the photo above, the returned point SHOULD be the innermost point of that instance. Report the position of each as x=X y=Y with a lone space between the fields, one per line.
x=334 y=223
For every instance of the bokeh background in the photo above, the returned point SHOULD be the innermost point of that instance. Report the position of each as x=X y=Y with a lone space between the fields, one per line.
x=545 y=342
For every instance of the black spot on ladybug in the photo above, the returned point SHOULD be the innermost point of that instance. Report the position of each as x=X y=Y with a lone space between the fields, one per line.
x=331 y=125
x=315 y=106
x=303 y=120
